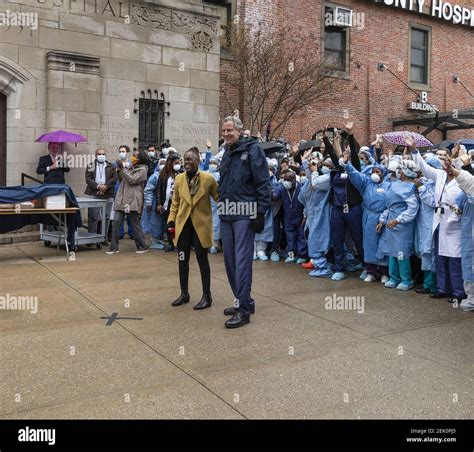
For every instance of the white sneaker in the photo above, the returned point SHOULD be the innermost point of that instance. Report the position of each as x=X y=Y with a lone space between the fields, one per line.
x=142 y=251
x=384 y=279
x=112 y=252
x=262 y=256
x=369 y=278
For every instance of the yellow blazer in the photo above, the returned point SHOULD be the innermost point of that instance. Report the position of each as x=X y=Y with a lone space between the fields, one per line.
x=197 y=206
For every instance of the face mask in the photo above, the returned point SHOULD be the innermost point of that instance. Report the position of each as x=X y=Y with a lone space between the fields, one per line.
x=213 y=167
x=101 y=158
x=375 y=178
x=177 y=167
x=165 y=152
x=362 y=165
x=325 y=170
x=287 y=184
x=122 y=155
x=161 y=167
x=134 y=160
x=302 y=179
x=341 y=162
x=151 y=154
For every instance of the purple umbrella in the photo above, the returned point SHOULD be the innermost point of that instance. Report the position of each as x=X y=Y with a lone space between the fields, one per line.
x=398 y=138
x=61 y=136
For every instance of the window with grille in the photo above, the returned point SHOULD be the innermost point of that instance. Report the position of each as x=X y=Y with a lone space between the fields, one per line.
x=151 y=123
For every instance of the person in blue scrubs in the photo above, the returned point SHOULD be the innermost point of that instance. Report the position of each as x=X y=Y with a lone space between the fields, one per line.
x=293 y=215
x=424 y=224
x=212 y=162
x=314 y=196
x=397 y=224
x=373 y=189
x=346 y=205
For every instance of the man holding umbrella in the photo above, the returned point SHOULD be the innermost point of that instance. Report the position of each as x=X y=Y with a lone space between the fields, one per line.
x=52 y=165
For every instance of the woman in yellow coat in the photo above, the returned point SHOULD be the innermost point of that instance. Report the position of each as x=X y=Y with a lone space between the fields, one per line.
x=191 y=218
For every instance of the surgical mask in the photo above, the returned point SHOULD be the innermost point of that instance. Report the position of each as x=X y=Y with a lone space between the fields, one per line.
x=287 y=184
x=375 y=178
x=161 y=167
x=177 y=167
x=101 y=158
x=122 y=155
x=341 y=162
x=151 y=154
x=213 y=167
x=166 y=152
x=302 y=179
x=362 y=164
x=325 y=169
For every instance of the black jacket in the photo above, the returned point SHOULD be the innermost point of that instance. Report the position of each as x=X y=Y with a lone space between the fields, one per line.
x=110 y=179
x=55 y=176
x=160 y=191
x=353 y=195
x=244 y=177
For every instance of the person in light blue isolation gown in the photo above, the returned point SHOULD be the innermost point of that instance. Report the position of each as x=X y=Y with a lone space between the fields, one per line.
x=265 y=237
x=152 y=221
x=314 y=196
x=397 y=224
x=216 y=224
x=466 y=204
x=423 y=236
x=367 y=161
x=373 y=187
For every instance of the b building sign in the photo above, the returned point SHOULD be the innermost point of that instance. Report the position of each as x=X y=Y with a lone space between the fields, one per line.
x=439 y=8
x=422 y=104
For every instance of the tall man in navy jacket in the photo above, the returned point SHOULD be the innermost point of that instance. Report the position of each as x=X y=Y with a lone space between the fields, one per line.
x=244 y=197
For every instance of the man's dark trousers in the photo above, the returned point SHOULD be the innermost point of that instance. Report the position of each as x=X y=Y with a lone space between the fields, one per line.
x=238 y=242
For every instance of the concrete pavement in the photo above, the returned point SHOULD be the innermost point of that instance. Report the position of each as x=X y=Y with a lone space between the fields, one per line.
x=404 y=356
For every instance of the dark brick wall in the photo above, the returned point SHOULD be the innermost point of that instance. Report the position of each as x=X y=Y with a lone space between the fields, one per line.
x=370 y=97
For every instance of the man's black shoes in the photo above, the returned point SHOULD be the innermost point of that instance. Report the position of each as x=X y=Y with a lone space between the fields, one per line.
x=233 y=311
x=439 y=295
x=422 y=291
x=206 y=302
x=183 y=299
x=237 y=320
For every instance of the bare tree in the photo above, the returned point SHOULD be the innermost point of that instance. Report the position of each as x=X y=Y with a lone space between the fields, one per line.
x=275 y=76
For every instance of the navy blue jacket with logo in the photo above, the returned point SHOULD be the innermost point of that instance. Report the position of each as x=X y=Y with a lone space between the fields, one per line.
x=244 y=177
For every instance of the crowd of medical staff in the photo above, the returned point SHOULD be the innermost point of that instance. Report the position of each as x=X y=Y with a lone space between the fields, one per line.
x=399 y=216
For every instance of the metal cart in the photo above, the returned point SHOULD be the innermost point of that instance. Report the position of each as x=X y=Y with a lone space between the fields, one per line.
x=81 y=237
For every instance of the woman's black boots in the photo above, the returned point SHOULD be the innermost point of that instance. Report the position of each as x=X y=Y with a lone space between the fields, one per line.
x=205 y=302
x=183 y=299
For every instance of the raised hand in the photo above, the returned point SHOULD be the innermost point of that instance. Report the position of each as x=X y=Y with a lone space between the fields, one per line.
x=348 y=126
x=410 y=142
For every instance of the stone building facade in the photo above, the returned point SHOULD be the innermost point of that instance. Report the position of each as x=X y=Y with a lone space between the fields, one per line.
x=111 y=70
x=381 y=32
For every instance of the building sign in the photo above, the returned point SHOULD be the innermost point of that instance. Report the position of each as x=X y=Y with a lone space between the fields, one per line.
x=439 y=8
x=422 y=104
